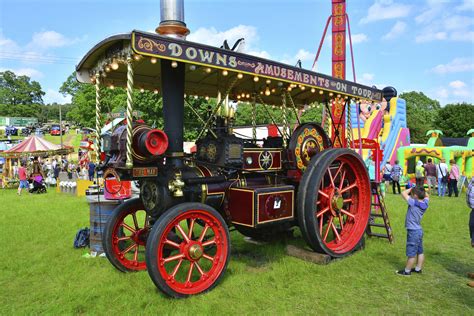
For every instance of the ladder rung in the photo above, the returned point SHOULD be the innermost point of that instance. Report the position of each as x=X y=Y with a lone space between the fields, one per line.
x=378 y=235
x=376 y=215
x=376 y=225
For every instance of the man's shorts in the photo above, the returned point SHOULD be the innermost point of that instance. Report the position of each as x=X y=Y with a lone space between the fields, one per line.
x=24 y=184
x=387 y=177
x=414 y=242
x=432 y=181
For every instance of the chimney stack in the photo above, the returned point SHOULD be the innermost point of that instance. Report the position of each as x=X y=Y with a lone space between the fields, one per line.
x=172 y=19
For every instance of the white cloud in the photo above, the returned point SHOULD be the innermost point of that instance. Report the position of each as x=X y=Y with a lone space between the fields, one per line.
x=211 y=36
x=397 y=30
x=262 y=54
x=366 y=78
x=30 y=72
x=431 y=36
x=440 y=22
x=49 y=39
x=456 y=65
x=359 y=38
x=302 y=55
x=455 y=92
x=457 y=84
x=53 y=96
x=385 y=10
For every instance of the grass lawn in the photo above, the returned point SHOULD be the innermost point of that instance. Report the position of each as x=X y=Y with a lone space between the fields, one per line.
x=42 y=273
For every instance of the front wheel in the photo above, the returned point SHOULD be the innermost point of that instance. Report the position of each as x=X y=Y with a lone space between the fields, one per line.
x=125 y=236
x=188 y=250
x=334 y=202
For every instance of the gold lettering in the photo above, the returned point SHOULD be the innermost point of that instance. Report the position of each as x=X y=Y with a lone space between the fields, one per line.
x=175 y=49
x=206 y=56
x=221 y=59
x=232 y=62
x=191 y=53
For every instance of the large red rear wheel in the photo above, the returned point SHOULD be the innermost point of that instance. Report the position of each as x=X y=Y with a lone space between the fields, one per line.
x=334 y=202
x=188 y=250
x=125 y=236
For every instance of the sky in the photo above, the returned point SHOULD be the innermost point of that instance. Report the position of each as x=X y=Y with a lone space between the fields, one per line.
x=412 y=45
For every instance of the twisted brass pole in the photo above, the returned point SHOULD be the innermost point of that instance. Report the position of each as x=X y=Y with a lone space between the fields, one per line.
x=97 y=117
x=129 y=161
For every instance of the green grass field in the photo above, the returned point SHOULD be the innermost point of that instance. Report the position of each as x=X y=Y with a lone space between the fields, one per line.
x=42 y=273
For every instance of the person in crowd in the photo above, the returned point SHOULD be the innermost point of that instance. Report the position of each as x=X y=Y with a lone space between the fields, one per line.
x=37 y=170
x=470 y=204
x=396 y=175
x=417 y=200
x=91 y=168
x=56 y=171
x=420 y=174
x=453 y=179
x=387 y=173
x=15 y=170
x=430 y=173
x=442 y=171
x=22 y=174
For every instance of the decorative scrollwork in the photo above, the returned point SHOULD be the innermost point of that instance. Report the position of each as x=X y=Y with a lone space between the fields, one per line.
x=150 y=45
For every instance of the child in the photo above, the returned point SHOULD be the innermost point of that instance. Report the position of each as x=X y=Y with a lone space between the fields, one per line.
x=417 y=201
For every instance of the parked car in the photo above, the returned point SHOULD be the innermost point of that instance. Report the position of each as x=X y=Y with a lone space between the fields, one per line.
x=56 y=130
x=11 y=131
x=26 y=131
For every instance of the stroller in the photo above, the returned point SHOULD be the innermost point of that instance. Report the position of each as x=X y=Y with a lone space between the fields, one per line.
x=37 y=185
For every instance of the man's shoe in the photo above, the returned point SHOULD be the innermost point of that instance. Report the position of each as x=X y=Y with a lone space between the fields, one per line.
x=471 y=284
x=414 y=270
x=403 y=272
x=470 y=275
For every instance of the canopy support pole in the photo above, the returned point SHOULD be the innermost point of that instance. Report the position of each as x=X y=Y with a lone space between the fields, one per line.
x=254 y=118
x=129 y=161
x=97 y=118
x=218 y=106
x=199 y=116
x=285 y=118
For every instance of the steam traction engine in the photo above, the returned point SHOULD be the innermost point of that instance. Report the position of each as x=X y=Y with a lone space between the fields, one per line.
x=178 y=229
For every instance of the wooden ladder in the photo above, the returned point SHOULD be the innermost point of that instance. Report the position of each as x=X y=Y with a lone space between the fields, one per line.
x=378 y=210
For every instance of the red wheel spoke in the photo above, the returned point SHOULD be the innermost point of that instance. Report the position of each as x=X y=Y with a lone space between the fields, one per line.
x=190 y=272
x=208 y=257
x=323 y=194
x=343 y=177
x=123 y=238
x=171 y=243
x=128 y=227
x=173 y=258
x=203 y=233
x=335 y=231
x=175 y=270
x=191 y=226
x=181 y=231
x=353 y=185
x=331 y=178
x=347 y=213
x=328 y=228
x=198 y=267
x=209 y=242
x=339 y=169
x=321 y=227
x=322 y=211
x=341 y=222
x=135 y=222
x=135 y=256
x=128 y=249
x=347 y=200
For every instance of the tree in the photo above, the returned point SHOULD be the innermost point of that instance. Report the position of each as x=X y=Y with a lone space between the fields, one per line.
x=455 y=119
x=16 y=90
x=421 y=114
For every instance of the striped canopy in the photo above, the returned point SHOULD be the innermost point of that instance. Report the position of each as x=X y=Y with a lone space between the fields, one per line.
x=35 y=145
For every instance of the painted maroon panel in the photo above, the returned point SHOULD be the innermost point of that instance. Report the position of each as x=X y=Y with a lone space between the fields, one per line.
x=241 y=206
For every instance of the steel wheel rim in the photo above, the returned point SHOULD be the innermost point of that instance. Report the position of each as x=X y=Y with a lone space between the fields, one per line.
x=129 y=241
x=342 y=204
x=187 y=243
